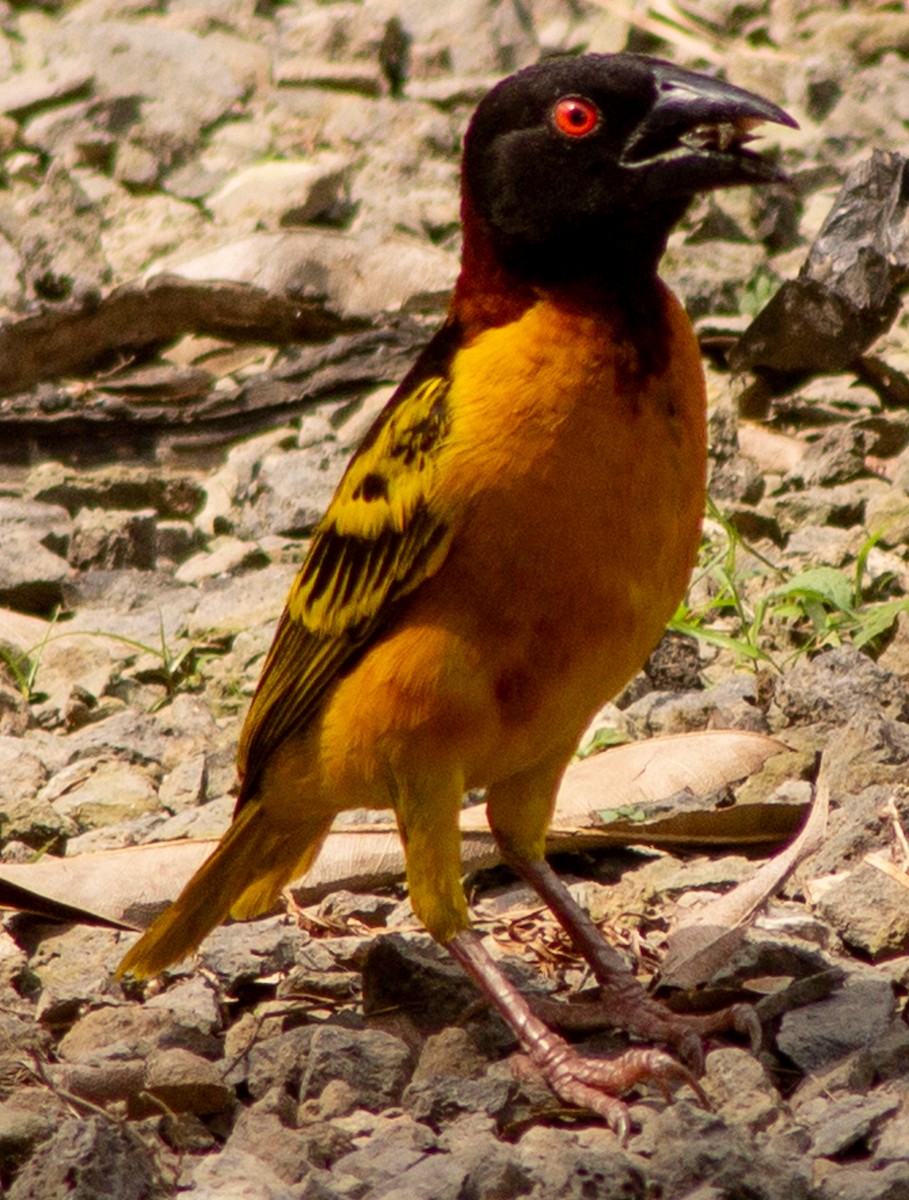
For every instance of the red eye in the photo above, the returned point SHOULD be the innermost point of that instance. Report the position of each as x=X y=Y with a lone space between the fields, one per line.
x=575 y=116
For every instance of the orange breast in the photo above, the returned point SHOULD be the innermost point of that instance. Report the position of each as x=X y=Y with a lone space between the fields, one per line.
x=577 y=486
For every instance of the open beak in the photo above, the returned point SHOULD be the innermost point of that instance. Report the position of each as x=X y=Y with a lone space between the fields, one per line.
x=696 y=135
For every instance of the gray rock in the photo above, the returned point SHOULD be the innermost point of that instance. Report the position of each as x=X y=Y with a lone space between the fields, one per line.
x=440 y=1100
x=185 y=786
x=889 y=434
x=819 y=1035
x=238 y=1174
x=23 y=815
x=175 y=541
x=849 y=1076
x=893 y=1143
x=495 y=1174
x=294 y=489
x=568 y=1166
x=282 y=193
x=357 y=278
x=291 y=1153
x=740 y=1090
x=86 y=133
x=858 y=1182
x=837 y=684
x=74 y=968
x=398 y=1145
x=62 y=256
x=868 y=909
x=737 y=479
x=23 y=1127
x=140 y=228
x=29 y=90
x=238 y=604
x=133 y=1032
x=14 y=707
x=194 y=85
x=847 y=1124
x=126 y=486
x=276 y=1062
x=192 y=1008
x=890 y=1055
x=227 y=487
x=755 y=525
x=843 y=505
x=72 y=674
x=185 y=1082
x=88 y=1159
x=376 y=1065
x=225 y=556
x=729 y=705
x=836 y=457
x=856 y=826
x=31 y=577
x=12 y=293
x=870 y=749
x=694 y=1149
x=207 y=821
x=48 y=524
x=824 y=543
x=887 y=518
x=246 y=950
x=113 y=539
x=370 y=910
x=97 y=792
x=451 y=1053
x=418 y=976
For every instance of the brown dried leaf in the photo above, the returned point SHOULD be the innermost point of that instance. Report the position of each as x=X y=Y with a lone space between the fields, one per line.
x=704 y=937
x=672 y=772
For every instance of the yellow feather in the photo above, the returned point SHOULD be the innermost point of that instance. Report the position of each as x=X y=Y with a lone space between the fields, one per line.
x=382 y=536
x=243 y=877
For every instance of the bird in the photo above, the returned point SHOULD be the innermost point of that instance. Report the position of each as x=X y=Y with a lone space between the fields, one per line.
x=509 y=541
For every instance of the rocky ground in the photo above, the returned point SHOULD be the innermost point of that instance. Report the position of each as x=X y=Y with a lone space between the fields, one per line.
x=164 y=455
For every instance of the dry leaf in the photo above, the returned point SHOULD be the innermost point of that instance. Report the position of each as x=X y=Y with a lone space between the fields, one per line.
x=704 y=937
x=592 y=810
x=880 y=860
x=105 y=883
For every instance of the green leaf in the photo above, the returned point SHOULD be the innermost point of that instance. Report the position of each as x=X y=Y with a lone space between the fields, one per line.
x=820 y=583
x=602 y=739
x=626 y=813
x=877 y=619
x=713 y=637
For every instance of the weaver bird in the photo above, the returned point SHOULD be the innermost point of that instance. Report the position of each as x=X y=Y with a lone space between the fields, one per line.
x=511 y=538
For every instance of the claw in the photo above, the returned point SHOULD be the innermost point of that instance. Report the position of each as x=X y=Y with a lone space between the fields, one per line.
x=690 y=1048
x=746 y=1020
x=591 y=1083
x=625 y=1003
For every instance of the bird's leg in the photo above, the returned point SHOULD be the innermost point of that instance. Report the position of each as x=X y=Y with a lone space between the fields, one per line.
x=431 y=839
x=627 y=1004
x=592 y=1083
x=519 y=811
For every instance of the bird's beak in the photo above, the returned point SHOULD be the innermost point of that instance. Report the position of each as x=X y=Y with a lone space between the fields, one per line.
x=696 y=133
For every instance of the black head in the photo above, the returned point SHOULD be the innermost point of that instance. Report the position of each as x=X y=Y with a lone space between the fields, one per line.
x=583 y=165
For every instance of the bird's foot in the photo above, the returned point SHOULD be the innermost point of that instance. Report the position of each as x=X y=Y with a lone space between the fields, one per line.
x=596 y=1083
x=631 y=1009
x=625 y=1003
x=591 y=1083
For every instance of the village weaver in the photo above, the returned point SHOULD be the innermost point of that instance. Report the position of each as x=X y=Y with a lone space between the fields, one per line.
x=507 y=545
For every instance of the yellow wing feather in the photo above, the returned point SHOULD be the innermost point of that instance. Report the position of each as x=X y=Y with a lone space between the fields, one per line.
x=381 y=536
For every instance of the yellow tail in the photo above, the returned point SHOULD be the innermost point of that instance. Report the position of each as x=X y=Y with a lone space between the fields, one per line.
x=243 y=877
